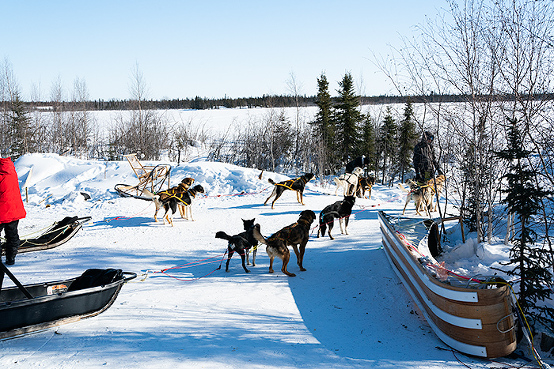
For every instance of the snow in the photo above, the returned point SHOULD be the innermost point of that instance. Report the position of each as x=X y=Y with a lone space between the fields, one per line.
x=348 y=310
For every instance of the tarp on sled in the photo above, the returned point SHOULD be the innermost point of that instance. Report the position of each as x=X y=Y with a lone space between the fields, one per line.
x=56 y=235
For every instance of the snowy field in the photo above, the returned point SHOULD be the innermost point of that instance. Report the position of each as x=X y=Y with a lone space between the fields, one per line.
x=348 y=310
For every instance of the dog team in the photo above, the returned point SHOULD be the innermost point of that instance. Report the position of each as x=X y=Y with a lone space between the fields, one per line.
x=297 y=234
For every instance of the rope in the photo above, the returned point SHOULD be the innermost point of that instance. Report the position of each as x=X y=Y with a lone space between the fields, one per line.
x=188 y=265
x=24 y=238
x=346 y=216
x=242 y=193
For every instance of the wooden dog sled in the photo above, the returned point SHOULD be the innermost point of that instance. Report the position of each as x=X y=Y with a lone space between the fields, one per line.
x=57 y=234
x=472 y=316
x=152 y=179
x=34 y=307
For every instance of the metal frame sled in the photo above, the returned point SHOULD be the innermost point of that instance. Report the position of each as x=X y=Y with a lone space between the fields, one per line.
x=29 y=308
x=151 y=179
x=58 y=234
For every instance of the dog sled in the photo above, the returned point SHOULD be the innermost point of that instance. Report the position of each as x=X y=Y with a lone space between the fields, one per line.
x=35 y=307
x=56 y=235
x=473 y=316
x=152 y=179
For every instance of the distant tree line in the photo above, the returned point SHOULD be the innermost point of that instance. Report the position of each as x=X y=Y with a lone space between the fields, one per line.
x=265 y=101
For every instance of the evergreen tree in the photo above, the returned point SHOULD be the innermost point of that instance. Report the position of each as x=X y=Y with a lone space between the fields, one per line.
x=368 y=144
x=19 y=126
x=407 y=138
x=324 y=124
x=523 y=197
x=347 y=119
x=389 y=145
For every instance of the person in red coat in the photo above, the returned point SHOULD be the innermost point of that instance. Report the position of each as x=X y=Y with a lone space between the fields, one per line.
x=11 y=208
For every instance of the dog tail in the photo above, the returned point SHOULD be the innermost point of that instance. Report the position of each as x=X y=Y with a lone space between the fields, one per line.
x=402 y=187
x=271 y=181
x=223 y=236
x=257 y=234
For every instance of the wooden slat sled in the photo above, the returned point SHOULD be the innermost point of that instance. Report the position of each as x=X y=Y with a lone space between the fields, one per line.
x=473 y=317
x=152 y=179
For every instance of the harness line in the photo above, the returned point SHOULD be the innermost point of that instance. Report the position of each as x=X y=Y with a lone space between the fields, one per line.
x=188 y=265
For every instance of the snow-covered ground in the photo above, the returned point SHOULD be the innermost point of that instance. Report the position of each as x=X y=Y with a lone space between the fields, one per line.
x=348 y=310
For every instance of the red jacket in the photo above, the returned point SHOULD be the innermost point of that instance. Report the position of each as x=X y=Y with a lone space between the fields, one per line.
x=11 y=204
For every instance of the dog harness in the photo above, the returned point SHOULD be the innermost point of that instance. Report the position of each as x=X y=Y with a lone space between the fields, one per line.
x=291 y=181
x=176 y=193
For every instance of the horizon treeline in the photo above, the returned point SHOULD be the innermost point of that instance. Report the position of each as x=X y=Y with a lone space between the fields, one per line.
x=204 y=103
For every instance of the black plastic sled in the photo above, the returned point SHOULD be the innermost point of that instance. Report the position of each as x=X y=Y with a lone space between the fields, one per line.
x=34 y=307
x=58 y=234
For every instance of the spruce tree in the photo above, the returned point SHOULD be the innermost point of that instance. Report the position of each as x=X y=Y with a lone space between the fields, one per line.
x=368 y=144
x=324 y=124
x=389 y=145
x=523 y=197
x=407 y=137
x=347 y=119
x=18 y=123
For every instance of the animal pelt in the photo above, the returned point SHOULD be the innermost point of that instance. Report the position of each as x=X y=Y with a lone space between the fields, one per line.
x=348 y=181
x=421 y=196
x=295 y=235
x=437 y=185
x=170 y=204
x=340 y=210
x=241 y=243
x=163 y=196
x=365 y=184
x=298 y=185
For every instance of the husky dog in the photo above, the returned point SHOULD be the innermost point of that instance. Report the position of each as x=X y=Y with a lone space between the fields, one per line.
x=339 y=209
x=295 y=235
x=296 y=185
x=241 y=243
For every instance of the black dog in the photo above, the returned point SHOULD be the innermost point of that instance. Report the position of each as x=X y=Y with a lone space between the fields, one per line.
x=296 y=185
x=340 y=209
x=241 y=243
x=184 y=198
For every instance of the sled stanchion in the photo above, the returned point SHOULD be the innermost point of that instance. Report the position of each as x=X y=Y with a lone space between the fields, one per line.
x=5 y=270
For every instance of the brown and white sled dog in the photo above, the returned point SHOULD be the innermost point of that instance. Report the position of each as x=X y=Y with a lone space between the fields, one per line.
x=420 y=196
x=423 y=194
x=170 y=205
x=437 y=185
x=295 y=235
x=348 y=181
x=297 y=185
x=163 y=196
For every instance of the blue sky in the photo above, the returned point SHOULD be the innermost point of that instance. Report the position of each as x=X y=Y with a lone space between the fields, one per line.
x=203 y=48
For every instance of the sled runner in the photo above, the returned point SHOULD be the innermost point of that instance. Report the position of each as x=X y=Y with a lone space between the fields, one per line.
x=34 y=307
x=471 y=315
x=151 y=179
x=58 y=234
